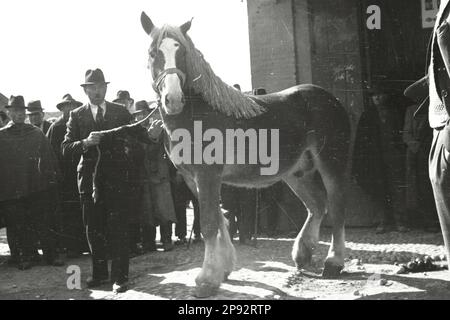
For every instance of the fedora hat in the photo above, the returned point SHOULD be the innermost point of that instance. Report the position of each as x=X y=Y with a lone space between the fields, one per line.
x=67 y=99
x=141 y=106
x=34 y=107
x=94 y=77
x=16 y=102
x=122 y=95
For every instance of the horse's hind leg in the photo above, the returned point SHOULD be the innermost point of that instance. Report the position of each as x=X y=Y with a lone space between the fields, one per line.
x=219 y=251
x=334 y=179
x=311 y=191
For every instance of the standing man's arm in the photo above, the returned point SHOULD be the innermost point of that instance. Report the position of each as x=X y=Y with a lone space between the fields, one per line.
x=72 y=143
x=54 y=141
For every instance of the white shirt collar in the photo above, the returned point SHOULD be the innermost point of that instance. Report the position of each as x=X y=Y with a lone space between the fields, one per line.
x=94 y=109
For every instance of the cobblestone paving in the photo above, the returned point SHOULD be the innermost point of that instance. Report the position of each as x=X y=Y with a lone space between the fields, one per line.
x=264 y=272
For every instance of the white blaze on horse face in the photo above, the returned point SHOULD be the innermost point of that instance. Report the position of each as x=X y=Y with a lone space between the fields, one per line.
x=171 y=94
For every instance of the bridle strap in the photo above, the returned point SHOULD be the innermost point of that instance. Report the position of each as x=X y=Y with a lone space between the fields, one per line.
x=163 y=74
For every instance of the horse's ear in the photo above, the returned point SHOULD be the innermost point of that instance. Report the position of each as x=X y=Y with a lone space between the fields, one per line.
x=186 y=26
x=147 y=23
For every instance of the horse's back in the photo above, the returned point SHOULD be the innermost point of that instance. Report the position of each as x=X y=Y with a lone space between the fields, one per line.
x=309 y=111
x=311 y=94
x=307 y=103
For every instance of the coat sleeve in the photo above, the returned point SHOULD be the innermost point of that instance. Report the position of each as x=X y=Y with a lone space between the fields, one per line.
x=48 y=164
x=72 y=144
x=51 y=137
x=443 y=39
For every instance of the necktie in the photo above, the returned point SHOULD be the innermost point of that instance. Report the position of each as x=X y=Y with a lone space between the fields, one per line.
x=99 y=118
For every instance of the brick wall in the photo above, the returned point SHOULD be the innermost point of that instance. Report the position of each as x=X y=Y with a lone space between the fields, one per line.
x=272 y=50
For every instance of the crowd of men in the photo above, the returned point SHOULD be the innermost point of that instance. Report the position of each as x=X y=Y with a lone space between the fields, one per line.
x=57 y=196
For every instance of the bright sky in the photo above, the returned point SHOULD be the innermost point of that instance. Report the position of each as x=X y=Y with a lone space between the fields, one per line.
x=47 y=45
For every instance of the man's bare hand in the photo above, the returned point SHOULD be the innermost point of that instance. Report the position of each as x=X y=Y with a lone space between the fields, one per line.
x=93 y=139
x=155 y=129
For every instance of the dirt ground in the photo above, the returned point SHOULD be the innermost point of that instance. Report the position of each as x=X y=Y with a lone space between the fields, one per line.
x=262 y=272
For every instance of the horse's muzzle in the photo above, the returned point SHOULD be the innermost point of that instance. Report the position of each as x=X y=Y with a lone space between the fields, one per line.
x=173 y=104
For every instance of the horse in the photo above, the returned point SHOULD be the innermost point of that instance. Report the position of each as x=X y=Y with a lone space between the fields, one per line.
x=312 y=146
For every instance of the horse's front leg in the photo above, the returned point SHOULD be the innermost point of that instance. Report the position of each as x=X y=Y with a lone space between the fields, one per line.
x=219 y=251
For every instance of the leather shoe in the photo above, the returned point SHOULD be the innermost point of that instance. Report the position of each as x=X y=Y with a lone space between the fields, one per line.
x=149 y=247
x=180 y=242
x=120 y=287
x=93 y=283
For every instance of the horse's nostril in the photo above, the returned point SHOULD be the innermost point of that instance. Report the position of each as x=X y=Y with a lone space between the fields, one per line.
x=167 y=101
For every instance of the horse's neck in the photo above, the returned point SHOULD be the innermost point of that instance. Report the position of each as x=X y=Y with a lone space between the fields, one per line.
x=191 y=96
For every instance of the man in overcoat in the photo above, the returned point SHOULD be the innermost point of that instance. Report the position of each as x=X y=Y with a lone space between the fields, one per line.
x=30 y=174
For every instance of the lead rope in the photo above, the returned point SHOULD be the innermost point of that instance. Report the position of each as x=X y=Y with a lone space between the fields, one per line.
x=94 y=176
x=95 y=193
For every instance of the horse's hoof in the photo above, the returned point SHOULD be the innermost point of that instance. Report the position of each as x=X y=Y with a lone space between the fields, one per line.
x=302 y=256
x=205 y=290
x=331 y=271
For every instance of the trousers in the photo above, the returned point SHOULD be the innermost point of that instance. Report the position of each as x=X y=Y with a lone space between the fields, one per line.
x=440 y=180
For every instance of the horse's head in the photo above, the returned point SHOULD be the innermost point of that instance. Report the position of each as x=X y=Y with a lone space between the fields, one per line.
x=167 y=61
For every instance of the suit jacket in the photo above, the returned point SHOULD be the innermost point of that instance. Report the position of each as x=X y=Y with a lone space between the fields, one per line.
x=55 y=135
x=81 y=123
x=438 y=76
x=68 y=166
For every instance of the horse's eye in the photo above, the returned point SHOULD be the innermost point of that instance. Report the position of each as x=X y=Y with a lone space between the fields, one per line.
x=176 y=45
x=152 y=54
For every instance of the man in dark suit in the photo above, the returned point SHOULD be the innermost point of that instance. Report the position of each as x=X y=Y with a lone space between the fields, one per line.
x=438 y=116
x=105 y=217
x=36 y=116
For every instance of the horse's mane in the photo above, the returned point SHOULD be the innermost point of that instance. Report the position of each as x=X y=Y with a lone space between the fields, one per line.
x=201 y=78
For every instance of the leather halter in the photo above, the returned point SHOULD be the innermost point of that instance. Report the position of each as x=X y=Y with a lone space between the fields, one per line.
x=163 y=74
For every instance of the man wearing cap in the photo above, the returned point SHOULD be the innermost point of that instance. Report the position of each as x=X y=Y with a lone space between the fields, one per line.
x=73 y=236
x=123 y=98
x=109 y=211
x=29 y=170
x=36 y=116
x=438 y=117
